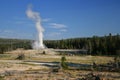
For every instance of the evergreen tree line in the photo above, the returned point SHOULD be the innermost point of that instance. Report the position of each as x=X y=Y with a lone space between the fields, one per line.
x=106 y=45
x=12 y=44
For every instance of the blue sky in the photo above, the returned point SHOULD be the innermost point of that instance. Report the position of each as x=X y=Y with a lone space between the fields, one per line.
x=60 y=18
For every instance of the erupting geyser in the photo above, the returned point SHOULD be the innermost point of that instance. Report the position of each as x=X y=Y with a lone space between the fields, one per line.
x=38 y=44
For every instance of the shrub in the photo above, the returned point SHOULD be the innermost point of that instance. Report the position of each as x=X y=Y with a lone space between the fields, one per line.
x=1 y=77
x=21 y=57
x=63 y=63
x=44 y=52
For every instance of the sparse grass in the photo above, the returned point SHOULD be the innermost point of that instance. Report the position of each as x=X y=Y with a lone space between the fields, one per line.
x=57 y=58
x=27 y=63
x=43 y=69
x=47 y=59
x=51 y=58
x=75 y=59
x=5 y=56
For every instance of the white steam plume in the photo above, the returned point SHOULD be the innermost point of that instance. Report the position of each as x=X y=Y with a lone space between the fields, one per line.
x=38 y=44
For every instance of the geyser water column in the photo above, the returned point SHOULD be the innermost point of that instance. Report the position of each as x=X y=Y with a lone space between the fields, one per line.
x=38 y=44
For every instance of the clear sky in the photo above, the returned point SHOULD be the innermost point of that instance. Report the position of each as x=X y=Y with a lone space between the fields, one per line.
x=60 y=18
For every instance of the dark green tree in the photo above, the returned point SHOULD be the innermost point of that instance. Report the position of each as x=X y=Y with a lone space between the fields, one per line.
x=63 y=62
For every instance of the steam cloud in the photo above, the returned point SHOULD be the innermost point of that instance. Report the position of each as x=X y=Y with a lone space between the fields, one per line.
x=38 y=44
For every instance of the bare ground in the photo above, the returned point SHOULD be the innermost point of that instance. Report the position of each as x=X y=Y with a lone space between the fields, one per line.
x=38 y=72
